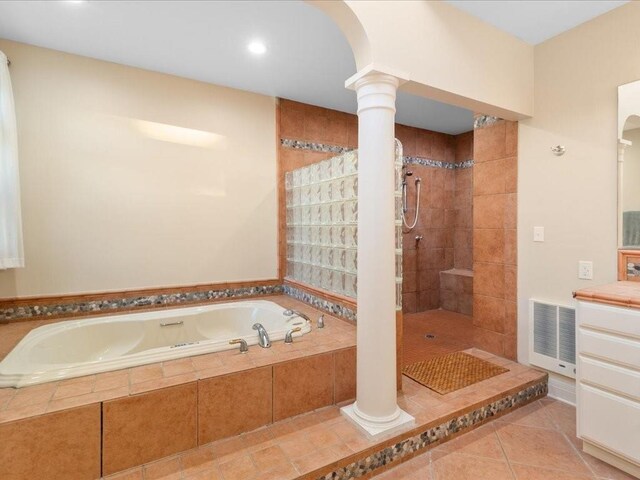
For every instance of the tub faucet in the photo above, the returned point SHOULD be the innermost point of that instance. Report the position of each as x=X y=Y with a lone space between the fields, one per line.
x=263 y=336
x=288 y=338
x=296 y=313
x=243 y=344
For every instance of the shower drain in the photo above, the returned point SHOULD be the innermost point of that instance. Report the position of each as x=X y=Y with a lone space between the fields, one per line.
x=429 y=336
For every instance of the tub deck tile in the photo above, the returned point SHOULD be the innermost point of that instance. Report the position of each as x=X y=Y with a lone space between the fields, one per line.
x=74 y=392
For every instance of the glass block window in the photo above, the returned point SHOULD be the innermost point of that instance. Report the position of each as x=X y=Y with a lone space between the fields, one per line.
x=322 y=224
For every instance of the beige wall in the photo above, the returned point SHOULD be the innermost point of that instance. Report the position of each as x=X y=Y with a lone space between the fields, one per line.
x=573 y=196
x=116 y=197
x=445 y=53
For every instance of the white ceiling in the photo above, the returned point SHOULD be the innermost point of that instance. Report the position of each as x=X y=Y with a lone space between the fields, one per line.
x=535 y=21
x=308 y=59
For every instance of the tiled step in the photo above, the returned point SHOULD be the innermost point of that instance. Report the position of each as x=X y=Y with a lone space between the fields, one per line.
x=325 y=445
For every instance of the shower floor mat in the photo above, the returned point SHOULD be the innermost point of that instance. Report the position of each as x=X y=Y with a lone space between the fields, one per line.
x=451 y=372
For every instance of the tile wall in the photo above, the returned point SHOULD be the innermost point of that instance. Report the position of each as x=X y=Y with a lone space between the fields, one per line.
x=445 y=218
x=494 y=236
x=311 y=134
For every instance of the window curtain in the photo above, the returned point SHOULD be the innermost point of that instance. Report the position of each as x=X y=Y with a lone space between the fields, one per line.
x=11 y=251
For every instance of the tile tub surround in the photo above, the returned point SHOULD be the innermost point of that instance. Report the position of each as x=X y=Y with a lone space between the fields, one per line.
x=55 y=396
x=324 y=445
x=156 y=411
x=494 y=236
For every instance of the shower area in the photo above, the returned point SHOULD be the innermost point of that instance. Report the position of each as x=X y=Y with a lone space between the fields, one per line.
x=437 y=196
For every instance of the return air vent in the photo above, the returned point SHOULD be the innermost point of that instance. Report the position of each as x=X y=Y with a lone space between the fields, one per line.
x=552 y=337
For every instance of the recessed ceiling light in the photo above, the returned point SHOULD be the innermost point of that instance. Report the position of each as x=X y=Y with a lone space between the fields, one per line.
x=257 y=48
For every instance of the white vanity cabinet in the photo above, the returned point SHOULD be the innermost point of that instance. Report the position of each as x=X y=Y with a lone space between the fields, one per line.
x=608 y=383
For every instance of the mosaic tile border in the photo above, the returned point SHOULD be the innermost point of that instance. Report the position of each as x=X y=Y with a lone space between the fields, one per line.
x=320 y=303
x=314 y=147
x=423 y=440
x=436 y=163
x=184 y=298
x=113 y=305
x=326 y=148
x=482 y=121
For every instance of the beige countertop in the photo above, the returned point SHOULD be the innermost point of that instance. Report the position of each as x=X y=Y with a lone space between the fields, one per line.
x=623 y=294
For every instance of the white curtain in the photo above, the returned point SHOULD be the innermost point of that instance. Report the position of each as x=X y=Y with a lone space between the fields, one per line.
x=11 y=251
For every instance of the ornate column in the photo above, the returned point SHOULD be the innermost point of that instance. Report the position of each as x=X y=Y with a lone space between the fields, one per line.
x=376 y=409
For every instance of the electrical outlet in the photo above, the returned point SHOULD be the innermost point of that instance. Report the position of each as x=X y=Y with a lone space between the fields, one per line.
x=585 y=270
x=538 y=234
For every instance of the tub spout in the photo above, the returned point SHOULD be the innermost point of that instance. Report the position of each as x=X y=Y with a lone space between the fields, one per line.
x=295 y=313
x=263 y=336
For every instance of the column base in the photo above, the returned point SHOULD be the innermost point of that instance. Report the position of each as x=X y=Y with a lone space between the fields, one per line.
x=374 y=427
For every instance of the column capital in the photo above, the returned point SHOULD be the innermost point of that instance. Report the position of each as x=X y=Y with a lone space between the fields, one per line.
x=373 y=73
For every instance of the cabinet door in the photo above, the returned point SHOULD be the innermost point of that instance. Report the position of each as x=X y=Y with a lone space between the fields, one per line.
x=609 y=421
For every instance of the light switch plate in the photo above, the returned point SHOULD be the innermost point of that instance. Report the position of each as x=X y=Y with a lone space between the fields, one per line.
x=538 y=234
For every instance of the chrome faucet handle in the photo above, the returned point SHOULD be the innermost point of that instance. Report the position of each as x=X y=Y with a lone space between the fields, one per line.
x=321 y=321
x=288 y=338
x=243 y=344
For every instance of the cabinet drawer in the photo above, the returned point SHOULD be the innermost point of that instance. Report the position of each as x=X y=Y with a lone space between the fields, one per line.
x=610 y=421
x=625 y=351
x=624 y=321
x=609 y=377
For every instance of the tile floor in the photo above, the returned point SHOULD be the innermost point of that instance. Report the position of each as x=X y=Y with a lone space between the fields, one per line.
x=453 y=332
x=536 y=442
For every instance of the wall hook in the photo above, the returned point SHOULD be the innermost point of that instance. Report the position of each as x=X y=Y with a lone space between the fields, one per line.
x=558 y=150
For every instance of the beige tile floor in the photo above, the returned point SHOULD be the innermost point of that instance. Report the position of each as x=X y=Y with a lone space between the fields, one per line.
x=536 y=442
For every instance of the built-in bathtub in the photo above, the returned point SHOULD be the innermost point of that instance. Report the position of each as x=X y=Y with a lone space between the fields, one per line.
x=83 y=347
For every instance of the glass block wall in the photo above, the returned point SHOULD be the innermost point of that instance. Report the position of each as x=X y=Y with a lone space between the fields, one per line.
x=322 y=224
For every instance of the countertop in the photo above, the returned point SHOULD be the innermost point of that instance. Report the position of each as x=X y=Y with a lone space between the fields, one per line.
x=623 y=294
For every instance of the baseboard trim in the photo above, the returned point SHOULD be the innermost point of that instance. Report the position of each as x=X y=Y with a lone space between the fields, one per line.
x=562 y=389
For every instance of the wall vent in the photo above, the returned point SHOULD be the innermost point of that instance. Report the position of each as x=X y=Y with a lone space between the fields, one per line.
x=552 y=337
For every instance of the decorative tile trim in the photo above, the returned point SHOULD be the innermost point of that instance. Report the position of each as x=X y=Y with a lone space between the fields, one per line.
x=425 y=439
x=426 y=162
x=171 y=299
x=320 y=303
x=482 y=121
x=114 y=305
x=314 y=147
x=326 y=148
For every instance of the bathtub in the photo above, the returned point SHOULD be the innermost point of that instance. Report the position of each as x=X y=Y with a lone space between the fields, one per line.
x=83 y=347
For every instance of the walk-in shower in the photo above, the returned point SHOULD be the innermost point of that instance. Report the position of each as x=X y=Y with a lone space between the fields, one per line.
x=405 y=206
